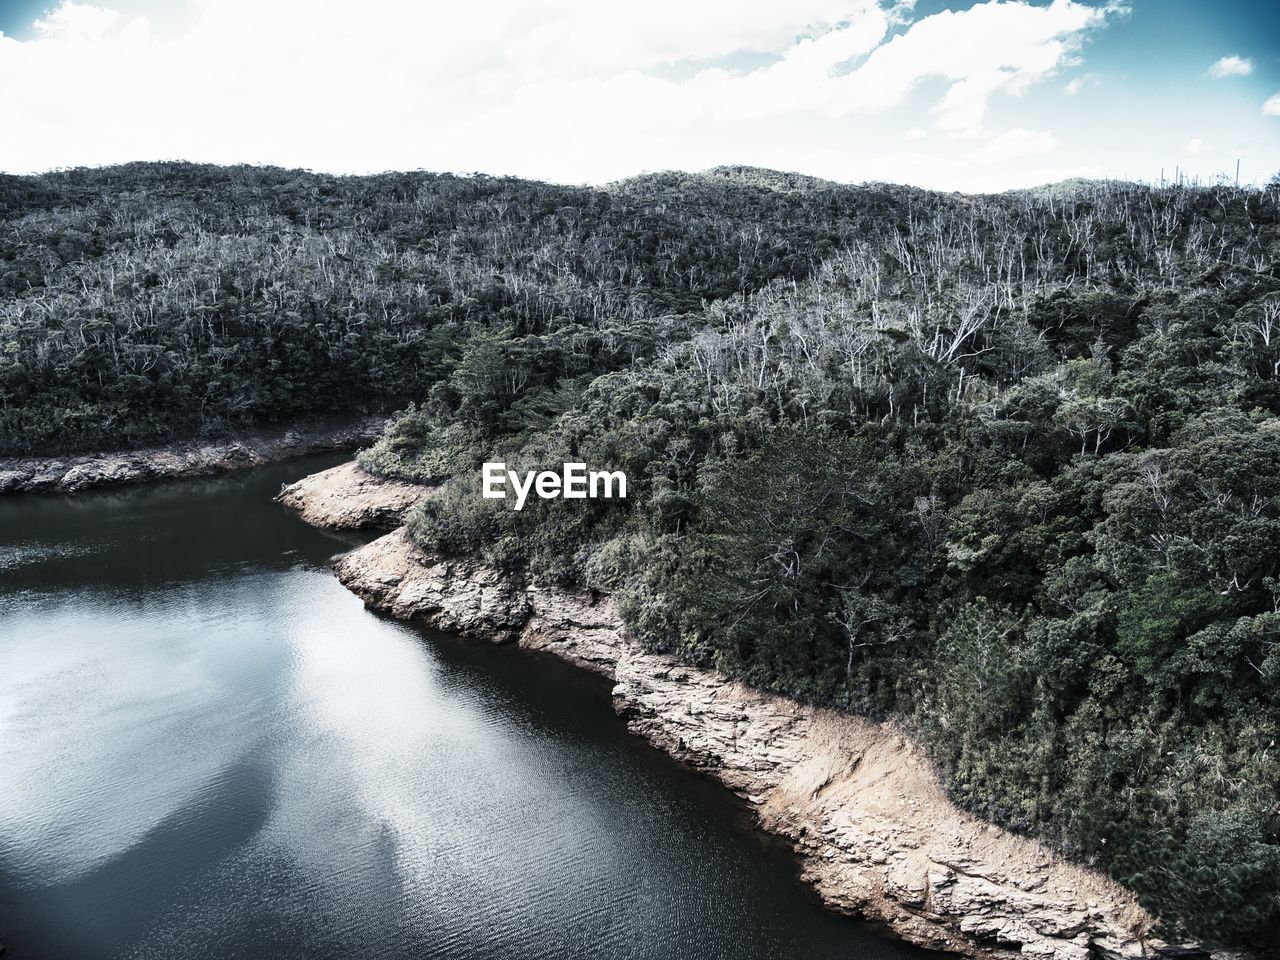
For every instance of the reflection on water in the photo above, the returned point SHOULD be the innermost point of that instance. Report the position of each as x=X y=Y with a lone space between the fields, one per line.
x=208 y=748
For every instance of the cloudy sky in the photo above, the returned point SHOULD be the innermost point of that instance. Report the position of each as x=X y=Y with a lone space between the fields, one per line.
x=970 y=96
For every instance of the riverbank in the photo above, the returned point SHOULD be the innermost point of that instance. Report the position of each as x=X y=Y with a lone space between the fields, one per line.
x=347 y=498
x=71 y=474
x=876 y=834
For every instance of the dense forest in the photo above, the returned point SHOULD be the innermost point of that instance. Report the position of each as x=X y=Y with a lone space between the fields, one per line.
x=158 y=301
x=1003 y=468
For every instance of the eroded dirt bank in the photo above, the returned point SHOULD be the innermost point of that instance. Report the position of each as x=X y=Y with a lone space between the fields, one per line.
x=74 y=473
x=877 y=836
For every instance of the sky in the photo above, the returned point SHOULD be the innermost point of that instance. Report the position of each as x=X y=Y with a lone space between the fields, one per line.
x=957 y=96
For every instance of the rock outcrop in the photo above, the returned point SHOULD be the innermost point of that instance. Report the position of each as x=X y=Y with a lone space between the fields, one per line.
x=74 y=473
x=877 y=836
x=348 y=498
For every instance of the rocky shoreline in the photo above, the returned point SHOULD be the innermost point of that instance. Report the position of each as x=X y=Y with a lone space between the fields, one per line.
x=347 y=498
x=71 y=474
x=876 y=834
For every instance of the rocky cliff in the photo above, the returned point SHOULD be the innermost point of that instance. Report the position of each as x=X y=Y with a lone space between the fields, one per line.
x=876 y=833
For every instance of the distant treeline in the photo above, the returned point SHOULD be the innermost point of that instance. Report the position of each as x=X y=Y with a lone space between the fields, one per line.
x=1006 y=468
x=158 y=301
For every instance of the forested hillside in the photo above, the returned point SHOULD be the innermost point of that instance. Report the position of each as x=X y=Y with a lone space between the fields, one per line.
x=1005 y=468
x=157 y=301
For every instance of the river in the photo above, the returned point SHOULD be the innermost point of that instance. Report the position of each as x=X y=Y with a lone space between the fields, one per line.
x=208 y=748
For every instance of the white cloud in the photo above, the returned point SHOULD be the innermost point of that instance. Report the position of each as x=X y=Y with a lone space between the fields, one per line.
x=915 y=133
x=76 y=22
x=560 y=89
x=1231 y=67
x=988 y=48
x=1194 y=146
x=1076 y=84
x=1014 y=145
x=1272 y=106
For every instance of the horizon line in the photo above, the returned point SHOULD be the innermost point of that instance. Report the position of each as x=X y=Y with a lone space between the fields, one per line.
x=1178 y=181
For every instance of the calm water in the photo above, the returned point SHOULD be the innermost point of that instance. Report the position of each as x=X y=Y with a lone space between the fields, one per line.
x=209 y=749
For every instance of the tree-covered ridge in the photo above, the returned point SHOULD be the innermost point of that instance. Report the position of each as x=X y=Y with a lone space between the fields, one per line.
x=1006 y=468
x=155 y=301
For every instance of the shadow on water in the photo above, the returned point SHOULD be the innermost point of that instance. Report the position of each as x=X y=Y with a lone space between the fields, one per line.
x=211 y=749
x=97 y=913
